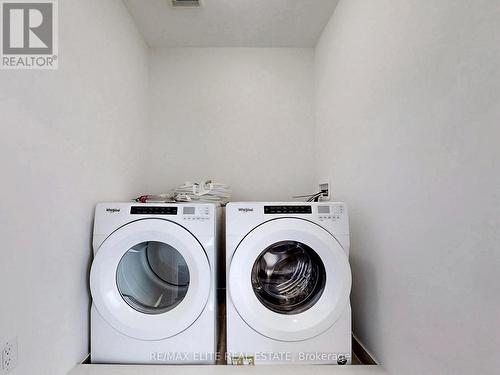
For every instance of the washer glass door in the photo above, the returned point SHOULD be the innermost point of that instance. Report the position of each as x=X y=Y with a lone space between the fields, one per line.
x=288 y=277
x=152 y=277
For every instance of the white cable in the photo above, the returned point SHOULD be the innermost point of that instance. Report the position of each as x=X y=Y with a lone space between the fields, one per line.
x=207 y=191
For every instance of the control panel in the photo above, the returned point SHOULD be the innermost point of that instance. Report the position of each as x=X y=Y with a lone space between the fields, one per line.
x=293 y=209
x=192 y=213
x=187 y=212
x=152 y=210
x=324 y=212
x=330 y=212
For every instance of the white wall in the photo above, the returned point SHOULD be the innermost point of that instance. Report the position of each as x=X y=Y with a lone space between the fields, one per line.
x=407 y=111
x=68 y=139
x=243 y=116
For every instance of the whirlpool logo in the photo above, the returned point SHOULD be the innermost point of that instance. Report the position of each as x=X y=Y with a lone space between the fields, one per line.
x=112 y=210
x=245 y=210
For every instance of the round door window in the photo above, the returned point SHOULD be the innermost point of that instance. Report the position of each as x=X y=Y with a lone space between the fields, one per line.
x=152 y=277
x=288 y=277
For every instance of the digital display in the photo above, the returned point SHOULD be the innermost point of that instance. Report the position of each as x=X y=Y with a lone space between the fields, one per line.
x=153 y=210
x=188 y=210
x=323 y=209
x=287 y=210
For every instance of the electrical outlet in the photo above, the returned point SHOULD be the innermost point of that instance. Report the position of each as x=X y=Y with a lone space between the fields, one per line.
x=9 y=355
x=324 y=187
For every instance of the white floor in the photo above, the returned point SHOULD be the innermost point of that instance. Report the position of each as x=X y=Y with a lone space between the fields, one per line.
x=225 y=370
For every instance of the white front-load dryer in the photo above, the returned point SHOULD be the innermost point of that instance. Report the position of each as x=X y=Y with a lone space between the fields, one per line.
x=153 y=283
x=288 y=283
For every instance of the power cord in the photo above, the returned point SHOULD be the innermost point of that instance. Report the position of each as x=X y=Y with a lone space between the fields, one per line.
x=312 y=197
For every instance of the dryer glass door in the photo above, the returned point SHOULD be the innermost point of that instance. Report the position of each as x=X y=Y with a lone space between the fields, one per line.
x=289 y=279
x=152 y=277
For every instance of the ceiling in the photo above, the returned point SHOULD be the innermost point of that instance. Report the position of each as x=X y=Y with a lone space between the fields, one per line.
x=232 y=23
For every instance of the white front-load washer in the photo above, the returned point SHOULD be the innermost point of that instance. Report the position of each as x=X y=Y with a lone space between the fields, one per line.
x=153 y=283
x=288 y=283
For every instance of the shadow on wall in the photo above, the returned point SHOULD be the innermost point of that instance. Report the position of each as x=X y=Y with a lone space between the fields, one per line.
x=364 y=275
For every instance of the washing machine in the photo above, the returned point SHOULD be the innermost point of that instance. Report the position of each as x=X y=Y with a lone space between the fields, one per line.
x=152 y=282
x=288 y=283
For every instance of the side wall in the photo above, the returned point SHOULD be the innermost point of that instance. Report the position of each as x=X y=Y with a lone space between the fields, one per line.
x=407 y=112
x=68 y=139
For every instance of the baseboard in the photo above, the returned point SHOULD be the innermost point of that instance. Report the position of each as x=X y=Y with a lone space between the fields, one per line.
x=363 y=355
x=358 y=349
